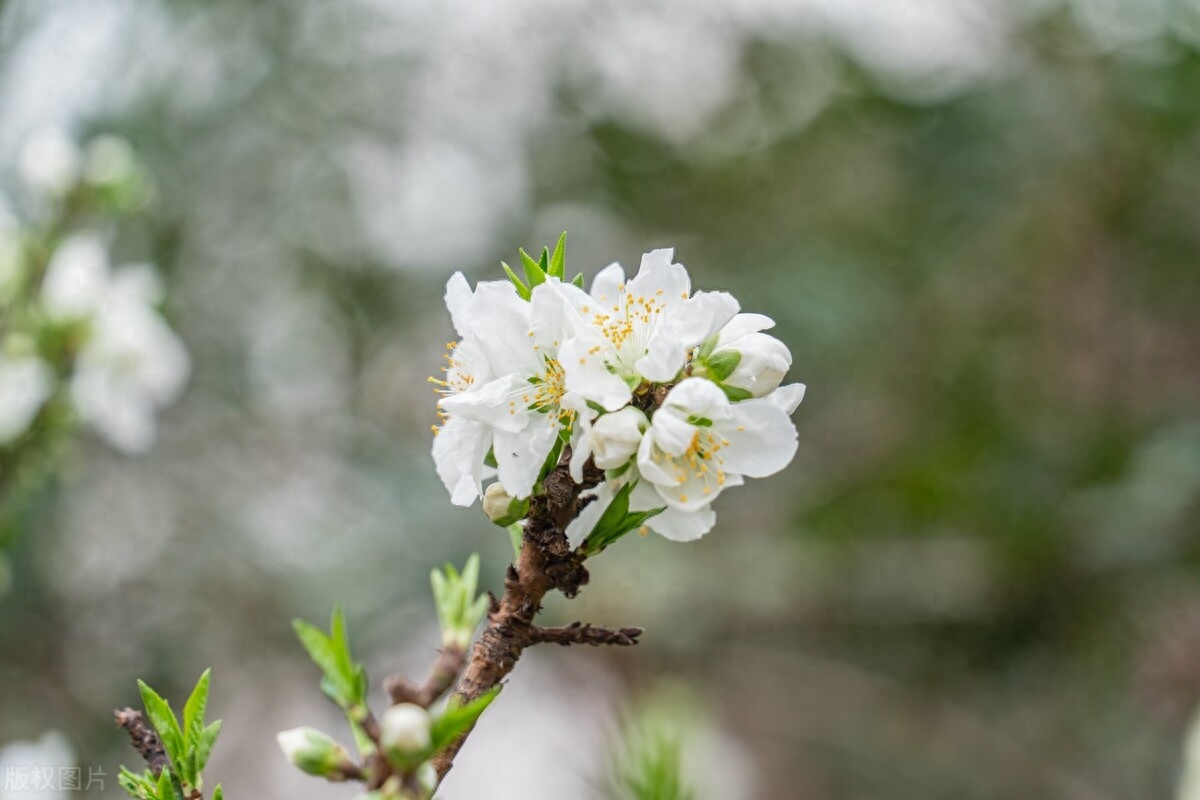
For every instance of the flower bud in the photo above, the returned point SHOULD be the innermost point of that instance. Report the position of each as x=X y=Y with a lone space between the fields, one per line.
x=610 y=441
x=314 y=752
x=404 y=730
x=763 y=363
x=501 y=508
x=744 y=360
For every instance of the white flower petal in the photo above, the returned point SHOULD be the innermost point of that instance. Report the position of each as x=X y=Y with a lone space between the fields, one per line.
x=459 y=302
x=459 y=450
x=520 y=456
x=698 y=397
x=606 y=288
x=787 y=397
x=702 y=315
x=683 y=526
x=762 y=439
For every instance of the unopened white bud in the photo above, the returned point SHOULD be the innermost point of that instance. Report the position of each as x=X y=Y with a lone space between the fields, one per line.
x=405 y=729
x=743 y=358
x=314 y=752
x=501 y=508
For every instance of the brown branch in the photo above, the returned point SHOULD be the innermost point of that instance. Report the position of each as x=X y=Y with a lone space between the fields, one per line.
x=441 y=680
x=546 y=562
x=586 y=633
x=144 y=739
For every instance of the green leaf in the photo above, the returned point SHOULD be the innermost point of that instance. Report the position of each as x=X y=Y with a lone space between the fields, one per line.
x=533 y=270
x=551 y=460
x=544 y=261
x=204 y=746
x=193 y=711
x=578 y=280
x=490 y=459
x=721 y=365
x=522 y=289
x=557 y=261
x=343 y=681
x=456 y=718
x=163 y=719
x=139 y=786
x=218 y=793
x=736 y=394
x=616 y=521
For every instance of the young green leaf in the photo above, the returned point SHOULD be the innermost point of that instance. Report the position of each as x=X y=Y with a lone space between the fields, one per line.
x=521 y=288
x=578 y=280
x=218 y=793
x=456 y=718
x=533 y=270
x=193 y=711
x=204 y=745
x=557 y=261
x=163 y=720
x=616 y=521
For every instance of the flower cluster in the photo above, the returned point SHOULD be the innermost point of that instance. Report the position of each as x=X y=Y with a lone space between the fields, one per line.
x=674 y=394
x=79 y=339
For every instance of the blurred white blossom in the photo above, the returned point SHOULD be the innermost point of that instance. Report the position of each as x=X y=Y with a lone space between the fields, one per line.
x=131 y=364
x=50 y=162
x=25 y=384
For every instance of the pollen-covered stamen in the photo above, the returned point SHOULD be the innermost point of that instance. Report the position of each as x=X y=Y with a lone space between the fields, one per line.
x=456 y=375
x=628 y=324
x=700 y=468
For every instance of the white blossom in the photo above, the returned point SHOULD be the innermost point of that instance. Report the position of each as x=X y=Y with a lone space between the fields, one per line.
x=699 y=443
x=25 y=384
x=528 y=405
x=639 y=331
x=461 y=444
x=131 y=364
x=76 y=277
x=50 y=162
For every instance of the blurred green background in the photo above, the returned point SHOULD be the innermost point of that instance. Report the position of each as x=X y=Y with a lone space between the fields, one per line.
x=975 y=221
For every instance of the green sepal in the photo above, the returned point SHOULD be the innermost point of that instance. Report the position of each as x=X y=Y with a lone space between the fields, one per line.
x=558 y=260
x=578 y=280
x=521 y=288
x=706 y=347
x=457 y=718
x=490 y=459
x=533 y=270
x=721 y=365
x=736 y=394
x=218 y=793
